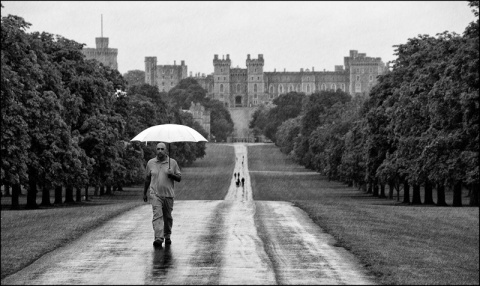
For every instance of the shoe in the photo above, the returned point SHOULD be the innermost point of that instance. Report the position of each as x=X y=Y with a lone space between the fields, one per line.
x=168 y=241
x=157 y=243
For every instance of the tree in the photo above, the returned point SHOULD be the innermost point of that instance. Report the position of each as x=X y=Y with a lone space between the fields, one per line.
x=134 y=77
x=17 y=76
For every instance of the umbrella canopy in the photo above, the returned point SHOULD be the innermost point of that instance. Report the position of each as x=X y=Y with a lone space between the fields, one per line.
x=169 y=133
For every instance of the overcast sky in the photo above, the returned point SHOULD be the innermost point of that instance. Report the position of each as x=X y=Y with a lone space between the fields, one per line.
x=290 y=35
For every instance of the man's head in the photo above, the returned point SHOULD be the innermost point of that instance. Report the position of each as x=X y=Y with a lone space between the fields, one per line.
x=161 y=150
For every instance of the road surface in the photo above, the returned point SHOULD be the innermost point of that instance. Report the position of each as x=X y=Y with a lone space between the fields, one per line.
x=234 y=241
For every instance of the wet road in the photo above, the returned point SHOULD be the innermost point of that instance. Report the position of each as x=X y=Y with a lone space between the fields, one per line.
x=234 y=241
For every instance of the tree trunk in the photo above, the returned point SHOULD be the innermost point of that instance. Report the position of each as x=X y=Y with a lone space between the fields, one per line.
x=102 y=190
x=32 y=190
x=95 y=193
x=474 y=195
x=382 y=191
x=16 y=190
x=391 y=186
x=370 y=188
x=69 y=194
x=108 y=190
x=7 y=190
x=406 y=193
x=375 y=188
x=58 y=195
x=78 y=195
x=428 y=193
x=416 y=198
x=86 y=193
x=457 y=195
x=46 y=196
x=441 y=195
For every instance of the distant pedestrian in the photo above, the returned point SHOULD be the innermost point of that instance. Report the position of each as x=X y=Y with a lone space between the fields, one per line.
x=243 y=182
x=238 y=182
x=235 y=174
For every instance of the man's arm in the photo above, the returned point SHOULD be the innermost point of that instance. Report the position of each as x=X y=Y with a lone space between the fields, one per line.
x=145 y=188
x=175 y=175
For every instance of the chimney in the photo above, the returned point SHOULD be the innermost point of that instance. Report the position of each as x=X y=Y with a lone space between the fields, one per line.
x=190 y=74
x=248 y=56
x=215 y=57
x=284 y=69
x=174 y=63
x=183 y=63
x=313 y=69
x=228 y=56
x=301 y=69
x=223 y=57
x=274 y=70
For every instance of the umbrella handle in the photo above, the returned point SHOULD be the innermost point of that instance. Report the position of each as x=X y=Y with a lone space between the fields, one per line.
x=169 y=155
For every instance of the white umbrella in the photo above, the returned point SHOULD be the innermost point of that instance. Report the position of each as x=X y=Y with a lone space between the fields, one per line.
x=169 y=133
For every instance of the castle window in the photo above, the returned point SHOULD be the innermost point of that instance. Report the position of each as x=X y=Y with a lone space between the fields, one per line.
x=252 y=77
x=255 y=95
x=308 y=88
x=171 y=71
x=298 y=88
x=218 y=78
x=342 y=86
x=358 y=78
x=371 y=77
x=324 y=87
x=255 y=88
x=271 y=96
x=224 y=78
x=171 y=76
x=333 y=86
x=280 y=88
x=290 y=88
x=163 y=71
x=221 y=88
x=271 y=88
x=255 y=70
x=238 y=87
x=221 y=70
x=358 y=87
x=363 y=70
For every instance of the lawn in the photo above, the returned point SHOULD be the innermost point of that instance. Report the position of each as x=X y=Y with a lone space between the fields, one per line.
x=28 y=234
x=398 y=243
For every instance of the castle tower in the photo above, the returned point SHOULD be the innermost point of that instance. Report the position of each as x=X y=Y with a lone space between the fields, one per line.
x=363 y=71
x=255 y=80
x=221 y=79
x=151 y=70
x=102 y=53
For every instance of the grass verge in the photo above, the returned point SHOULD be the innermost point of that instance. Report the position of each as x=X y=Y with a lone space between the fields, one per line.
x=399 y=244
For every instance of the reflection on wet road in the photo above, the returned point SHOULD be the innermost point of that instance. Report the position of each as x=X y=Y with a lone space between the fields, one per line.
x=234 y=241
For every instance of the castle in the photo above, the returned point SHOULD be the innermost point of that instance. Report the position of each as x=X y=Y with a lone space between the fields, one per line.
x=242 y=90
x=102 y=53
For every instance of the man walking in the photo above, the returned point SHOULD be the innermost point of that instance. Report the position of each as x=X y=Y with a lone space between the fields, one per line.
x=161 y=171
